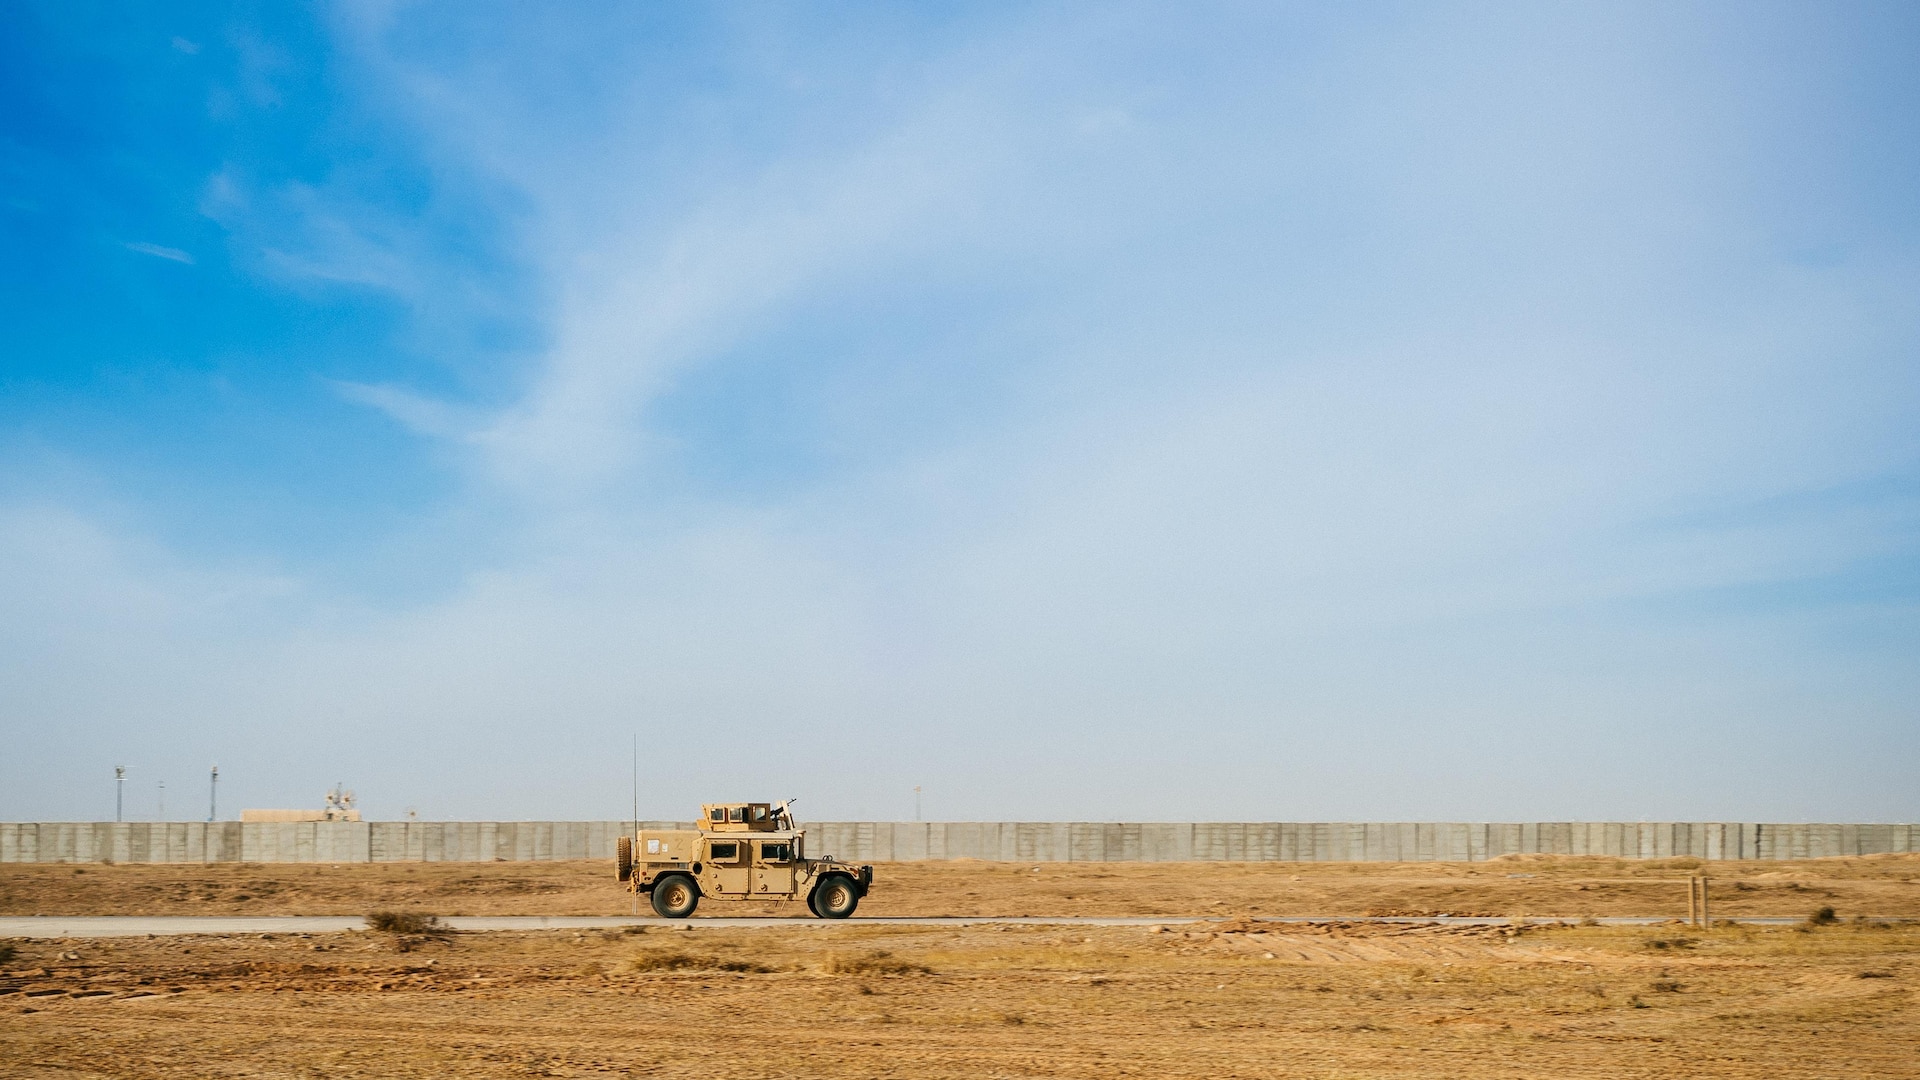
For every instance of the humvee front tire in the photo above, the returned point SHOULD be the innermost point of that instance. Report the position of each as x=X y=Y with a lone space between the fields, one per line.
x=834 y=898
x=675 y=896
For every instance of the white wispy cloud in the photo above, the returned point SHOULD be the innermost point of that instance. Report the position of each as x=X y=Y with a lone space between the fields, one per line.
x=309 y=236
x=159 y=252
x=643 y=311
x=418 y=413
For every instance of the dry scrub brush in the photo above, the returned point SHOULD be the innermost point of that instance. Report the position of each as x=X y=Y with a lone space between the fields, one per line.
x=879 y=962
x=679 y=961
x=405 y=922
x=410 y=929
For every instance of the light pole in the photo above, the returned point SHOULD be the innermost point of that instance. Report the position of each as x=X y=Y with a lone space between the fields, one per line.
x=916 y=802
x=119 y=791
x=161 y=814
x=213 y=793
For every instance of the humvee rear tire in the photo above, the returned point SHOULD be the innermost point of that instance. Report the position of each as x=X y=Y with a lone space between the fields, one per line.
x=675 y=896
x=623 y=857
x=834 y=898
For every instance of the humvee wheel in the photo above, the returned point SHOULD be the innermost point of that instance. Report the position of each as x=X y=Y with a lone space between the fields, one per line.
x=623 y=857
x=835 y=898
x=675 y=897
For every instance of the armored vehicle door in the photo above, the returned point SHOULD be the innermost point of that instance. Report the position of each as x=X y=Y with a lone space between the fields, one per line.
x=728 y=866
x=773 y=868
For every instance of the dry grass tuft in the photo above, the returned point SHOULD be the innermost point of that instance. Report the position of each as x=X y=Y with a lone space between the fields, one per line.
x=405 y=922
x=1823 y=917
x=679 y=961
x=875 y=963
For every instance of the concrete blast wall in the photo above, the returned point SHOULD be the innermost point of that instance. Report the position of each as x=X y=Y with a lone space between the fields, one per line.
x=1347 y=841
x=311 y=841
x=885 y=841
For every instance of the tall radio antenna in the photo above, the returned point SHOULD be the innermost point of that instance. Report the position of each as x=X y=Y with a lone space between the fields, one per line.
x=635 y=830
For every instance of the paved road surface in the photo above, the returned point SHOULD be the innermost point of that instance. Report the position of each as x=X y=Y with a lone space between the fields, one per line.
x=98 y=926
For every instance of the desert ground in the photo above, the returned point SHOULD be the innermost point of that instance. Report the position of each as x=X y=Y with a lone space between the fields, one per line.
x=1535 y=886
x=1235 y=998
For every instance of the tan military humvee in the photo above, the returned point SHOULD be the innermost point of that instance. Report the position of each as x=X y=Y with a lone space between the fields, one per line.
x=742 y=851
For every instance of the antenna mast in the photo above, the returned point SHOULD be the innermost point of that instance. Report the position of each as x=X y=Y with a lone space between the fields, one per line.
x=635 y=830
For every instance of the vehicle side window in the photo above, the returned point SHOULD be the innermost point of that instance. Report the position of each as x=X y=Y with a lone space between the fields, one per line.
x=775 y=853
x=718 y=814
x=737 y=813
x=726 y=852
x=759 y=813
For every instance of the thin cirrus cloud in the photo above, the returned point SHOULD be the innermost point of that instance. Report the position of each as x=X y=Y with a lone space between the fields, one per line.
x=160 y=252
x=1151 y=413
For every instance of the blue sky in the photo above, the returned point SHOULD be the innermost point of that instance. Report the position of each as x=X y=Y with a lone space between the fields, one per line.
x=1122 y=411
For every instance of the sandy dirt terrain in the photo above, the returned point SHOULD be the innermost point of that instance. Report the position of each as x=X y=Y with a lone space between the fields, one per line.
x=1239 y=999
x=1554 y=887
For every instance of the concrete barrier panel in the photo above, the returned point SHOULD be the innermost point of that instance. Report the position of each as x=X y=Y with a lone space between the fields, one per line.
x=968 y=840
x=1026 y=841
x=908 y=841
x=1777 y=842
x=1086 y=842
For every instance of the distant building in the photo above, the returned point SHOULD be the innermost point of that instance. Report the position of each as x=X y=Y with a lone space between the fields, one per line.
x=300 y=815
x=339 y=808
